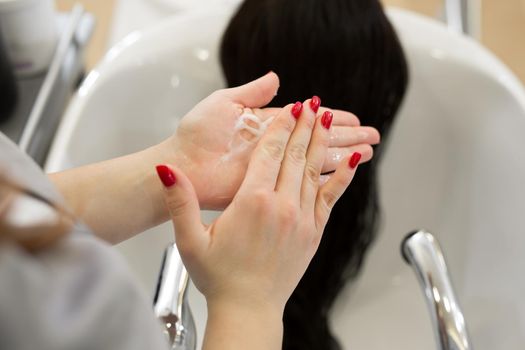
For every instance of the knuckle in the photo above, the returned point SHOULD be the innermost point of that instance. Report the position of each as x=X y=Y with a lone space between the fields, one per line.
x=289 y=216
x=323 y=141
x=177 y=206
x=309 y=121
x=274 y=149
x=261 y=198
x=287 y=124
x=329 y=198
x=297 y=153
x=312 y=173
x=341 y=182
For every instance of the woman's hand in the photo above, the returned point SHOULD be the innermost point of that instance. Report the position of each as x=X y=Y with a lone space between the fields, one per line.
x=248 y=262
x=119 y=198
x=202 y=142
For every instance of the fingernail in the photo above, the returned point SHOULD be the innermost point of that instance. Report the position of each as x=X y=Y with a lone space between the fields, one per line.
x=354 y=160
x=166 y=175
x=315 y=103
x=326 y=119
x=296 y=109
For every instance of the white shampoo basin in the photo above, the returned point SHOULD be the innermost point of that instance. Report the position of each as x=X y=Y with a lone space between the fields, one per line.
x=455 y=166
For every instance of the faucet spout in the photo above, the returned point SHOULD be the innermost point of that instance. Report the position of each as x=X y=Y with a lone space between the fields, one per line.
x=422 y=251
x=170 y=302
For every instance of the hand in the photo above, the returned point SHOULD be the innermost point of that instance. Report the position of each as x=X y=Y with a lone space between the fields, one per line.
x=255 y=253
x=100 y=193
x=201 y=143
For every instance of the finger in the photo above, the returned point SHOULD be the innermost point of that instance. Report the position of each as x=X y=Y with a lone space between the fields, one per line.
x=183 y=205
x=314 y=161
x=345 y=136
x=292 y=169
x=333 y=189
x=324 y=179
x=337 y=148
x=342 y=118
x=266 y=159
x=257 y=93
x=334 y=155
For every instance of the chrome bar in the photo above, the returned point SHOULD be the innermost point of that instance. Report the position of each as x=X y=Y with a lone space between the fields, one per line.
x=170 y=303
x=422 y=251
x=462 y=16
x=51 y=78
x=455 y=15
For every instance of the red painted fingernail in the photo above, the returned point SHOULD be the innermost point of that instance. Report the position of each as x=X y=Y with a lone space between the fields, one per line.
x=296 y=109
x=354 y=160
x=315 y=103
x=326 y=119
x=166 y=175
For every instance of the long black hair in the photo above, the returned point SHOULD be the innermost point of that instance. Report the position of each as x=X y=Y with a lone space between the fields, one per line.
x=346 y=52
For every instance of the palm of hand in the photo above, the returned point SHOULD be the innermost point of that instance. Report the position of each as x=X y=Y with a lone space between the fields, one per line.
x=215 y=156
x=219 y=154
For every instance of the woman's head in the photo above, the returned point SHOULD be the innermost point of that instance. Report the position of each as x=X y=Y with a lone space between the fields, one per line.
x=346 y=52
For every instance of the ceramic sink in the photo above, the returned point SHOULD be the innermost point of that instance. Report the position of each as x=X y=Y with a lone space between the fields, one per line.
x=454 y=165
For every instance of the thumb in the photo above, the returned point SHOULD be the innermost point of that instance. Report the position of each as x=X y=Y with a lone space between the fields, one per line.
x=257 y=93
x=183 y=205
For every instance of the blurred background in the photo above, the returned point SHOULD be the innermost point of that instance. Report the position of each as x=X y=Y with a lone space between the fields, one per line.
x=502 y=25
x=52 y=44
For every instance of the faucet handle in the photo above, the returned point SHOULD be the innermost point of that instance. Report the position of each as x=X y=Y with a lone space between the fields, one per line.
x=422 y=251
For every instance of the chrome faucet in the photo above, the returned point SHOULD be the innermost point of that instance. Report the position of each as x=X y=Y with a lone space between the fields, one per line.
x=421 y=250
x=463 y=16
x=170 y=302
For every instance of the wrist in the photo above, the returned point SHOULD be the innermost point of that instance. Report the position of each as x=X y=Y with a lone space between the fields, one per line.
x=247 y=306
x=171 y=152
x=239 y=324
x=158 y=154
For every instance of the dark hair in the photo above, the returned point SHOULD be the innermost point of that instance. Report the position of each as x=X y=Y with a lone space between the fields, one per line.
x=346 y=52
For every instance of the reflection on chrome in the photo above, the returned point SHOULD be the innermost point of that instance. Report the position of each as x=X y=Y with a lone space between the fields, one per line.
x=170 y=303
x=422 y=251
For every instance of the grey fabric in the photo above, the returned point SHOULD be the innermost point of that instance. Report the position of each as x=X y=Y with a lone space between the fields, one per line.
x=23 y=170
x=77 y=295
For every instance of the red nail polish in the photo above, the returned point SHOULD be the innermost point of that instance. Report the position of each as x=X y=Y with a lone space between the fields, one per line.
x=315 y=103
x=296 y=109
x=166 y=175
x=326 y=119
x=354 y=160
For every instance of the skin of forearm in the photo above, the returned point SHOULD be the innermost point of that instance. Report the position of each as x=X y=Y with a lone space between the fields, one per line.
x=233 y=327
x=120 y=197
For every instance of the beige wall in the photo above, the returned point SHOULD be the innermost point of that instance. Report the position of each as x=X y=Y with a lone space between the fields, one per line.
x=427 y=7
x=503 y=26
x=504 y=32
x=103 y=11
